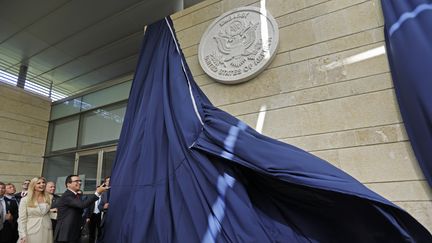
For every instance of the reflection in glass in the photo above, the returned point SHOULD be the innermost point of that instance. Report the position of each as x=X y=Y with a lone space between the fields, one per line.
x=106 y=96
x=108 y=161
x=66 y=108
x=87 y=169
x=65 y=133
x=102 y=125
x=57 y=168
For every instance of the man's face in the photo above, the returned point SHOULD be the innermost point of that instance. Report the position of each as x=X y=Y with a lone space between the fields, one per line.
x=25 y=185
x=75 y=185
x=2 y=190
x=10 y=190
x=107 y=182
x=50 y=187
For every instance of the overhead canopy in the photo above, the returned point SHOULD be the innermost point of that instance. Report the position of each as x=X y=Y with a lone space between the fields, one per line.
x=188 y=172
x=78 y=44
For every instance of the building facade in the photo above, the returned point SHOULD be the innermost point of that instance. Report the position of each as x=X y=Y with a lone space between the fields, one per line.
x=328 y=91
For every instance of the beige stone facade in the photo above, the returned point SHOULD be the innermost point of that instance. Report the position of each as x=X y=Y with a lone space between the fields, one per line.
x=328 y=91
x=23 y=132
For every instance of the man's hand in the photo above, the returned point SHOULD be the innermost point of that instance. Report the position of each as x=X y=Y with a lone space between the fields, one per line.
x=106 y=205
x=101 y=189
x=9 y=217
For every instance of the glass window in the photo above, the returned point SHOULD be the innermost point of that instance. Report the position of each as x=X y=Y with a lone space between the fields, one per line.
x=87 y=170
x=57 y=168
x=102 y=125
x=64 y=133
x=66 y=108
x=107 y=96
x=107 y=164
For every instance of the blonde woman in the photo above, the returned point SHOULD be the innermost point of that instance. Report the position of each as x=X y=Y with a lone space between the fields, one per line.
x=34 y=223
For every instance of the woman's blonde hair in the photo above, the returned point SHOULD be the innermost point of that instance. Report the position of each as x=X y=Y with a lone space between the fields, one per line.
x=32 y=200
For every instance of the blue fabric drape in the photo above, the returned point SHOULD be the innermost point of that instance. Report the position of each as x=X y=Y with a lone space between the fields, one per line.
x=408 y=32
x=186 y=171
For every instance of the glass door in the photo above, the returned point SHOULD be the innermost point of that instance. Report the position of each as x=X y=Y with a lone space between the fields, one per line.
x=86 y=167
x=108 y=161
x=93 y=166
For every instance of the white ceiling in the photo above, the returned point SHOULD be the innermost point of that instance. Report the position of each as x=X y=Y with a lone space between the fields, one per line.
x=76 y=44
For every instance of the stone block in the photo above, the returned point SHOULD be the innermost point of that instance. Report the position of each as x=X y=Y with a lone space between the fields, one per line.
x=228 y=5
x=192 y=36
x=373 y=109
x=16 y=168
x=21 y=158
x=381 y=162
x=401 y=191
x=281 y=7
x=311 y=95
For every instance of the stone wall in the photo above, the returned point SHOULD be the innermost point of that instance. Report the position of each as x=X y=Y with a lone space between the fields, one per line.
x=23 y=132
x=328 y=91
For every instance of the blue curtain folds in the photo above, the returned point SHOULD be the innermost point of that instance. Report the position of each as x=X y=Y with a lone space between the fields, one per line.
x=408 y=32
x=186 y=171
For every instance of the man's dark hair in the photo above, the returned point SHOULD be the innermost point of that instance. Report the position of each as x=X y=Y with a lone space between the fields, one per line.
x=106 y=178
x=2 y=184
x=69 y=179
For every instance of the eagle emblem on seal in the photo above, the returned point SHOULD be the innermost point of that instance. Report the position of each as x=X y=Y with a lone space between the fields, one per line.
x=236 y=42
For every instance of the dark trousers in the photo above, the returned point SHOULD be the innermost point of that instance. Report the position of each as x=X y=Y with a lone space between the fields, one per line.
x=9 y=233
x=94 y=227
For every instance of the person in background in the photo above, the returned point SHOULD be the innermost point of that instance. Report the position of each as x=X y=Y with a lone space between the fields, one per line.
x=10 y=192
x=34 y=223
x=103 y=208
x=83 y=197
x=70 y=208
x=8 y=215
x=93 y=219
x=10 y=195
x=50 y=188
x=22 y=193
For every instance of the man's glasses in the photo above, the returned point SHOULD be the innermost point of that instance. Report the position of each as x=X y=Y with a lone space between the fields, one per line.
x=78 y=181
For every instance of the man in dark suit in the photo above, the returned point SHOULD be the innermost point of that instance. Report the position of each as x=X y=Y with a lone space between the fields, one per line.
x=9 y=216
x=22 y=193
x=70 y=209
x=103 y=208
x=51 y=188
x=93 y=218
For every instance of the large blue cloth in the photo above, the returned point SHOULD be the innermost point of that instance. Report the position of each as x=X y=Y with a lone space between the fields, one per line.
x=408 y=31
x=188 y=172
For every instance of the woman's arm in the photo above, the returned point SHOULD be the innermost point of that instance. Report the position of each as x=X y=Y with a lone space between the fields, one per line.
x=22 y=219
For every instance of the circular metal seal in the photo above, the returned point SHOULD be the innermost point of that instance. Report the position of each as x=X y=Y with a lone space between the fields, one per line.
x=238 y=45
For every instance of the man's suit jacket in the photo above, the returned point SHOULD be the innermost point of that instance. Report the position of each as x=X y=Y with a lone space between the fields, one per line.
x=9 y=233
x=69 y=215
x=18 y=196
x=104 y=211
x=55 y=198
